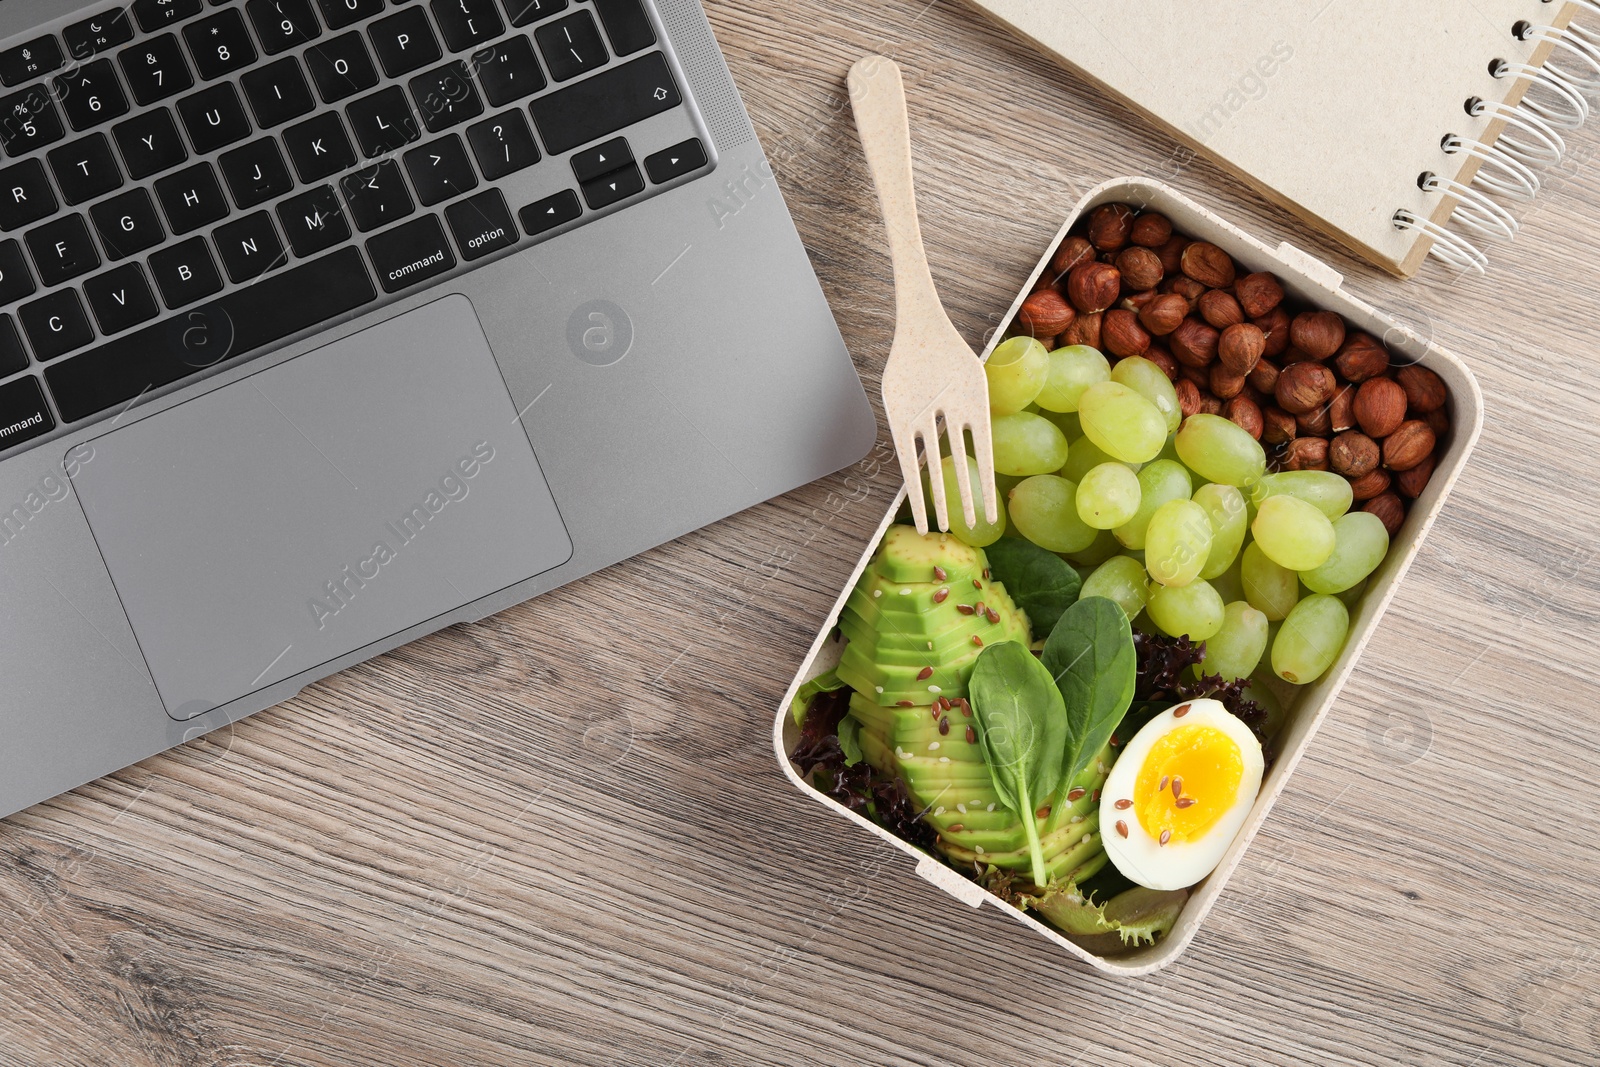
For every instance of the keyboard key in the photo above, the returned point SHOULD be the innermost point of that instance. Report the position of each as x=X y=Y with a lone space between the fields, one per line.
x=149 y=143
x=255 y=172
x=185 y=272
x=410 y=253
x=681 y=158
x=23 y=414
x=127 y=224
x=90 y=94
x=571 y=46
x=481 y=224
x=522 y=12
x=120 y=298
x=155 y=14
x=341 y=13
x=404 y=41
x=214 y=117
x=466 y=23
x=156 y=69
x=502 y=144
x=445 y=97
x=605 y=103
x=191 y=198
x=382 y=122
x=28 y=61
x=376 y=195
x=314 y=220
x=15 y=281
x=626 y=24
x=13 y=357
x=56 y=324
x=62 y=249
x=95 y=35
x=29 y=120
x=85 y=168
x=277 y=92
x=220 y=44
x=552 y=211
x=609 y=188
x=25 y=195
x=341 y=67
x=318 y=147
x=439 y=170
x=507 y=71
x=249 y=247
x=283 y=24
x=601 y=159
x=276 y=306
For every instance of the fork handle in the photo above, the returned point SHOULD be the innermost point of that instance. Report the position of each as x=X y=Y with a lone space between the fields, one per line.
x=879 y=100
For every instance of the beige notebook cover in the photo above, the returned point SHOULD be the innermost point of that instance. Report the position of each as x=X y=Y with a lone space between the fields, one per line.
x=1332 y=108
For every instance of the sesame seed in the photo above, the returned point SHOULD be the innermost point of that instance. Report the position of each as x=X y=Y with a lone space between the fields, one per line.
x=879 y=688
x=1166 y=835
x=1086 y=838
x=934 y=689
x=877 y=593
x=1075 y=819
x=1124 y=804
x=944 y=759
x=924 y=674
x=939 y=810
x=962 y=808
x=1180 y=711
x=930 y=646
x=989 y=808
x=933 y=746
x=978 y=849
x=905 y=592
x=901 y=753
x=1122 y=828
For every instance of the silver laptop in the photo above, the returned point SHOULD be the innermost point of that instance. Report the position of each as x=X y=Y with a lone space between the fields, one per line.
x=328 y=323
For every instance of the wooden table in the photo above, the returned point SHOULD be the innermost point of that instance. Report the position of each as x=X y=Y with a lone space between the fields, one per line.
x=558 y=836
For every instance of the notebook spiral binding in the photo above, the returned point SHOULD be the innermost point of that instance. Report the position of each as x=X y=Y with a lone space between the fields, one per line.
x=1556 y=99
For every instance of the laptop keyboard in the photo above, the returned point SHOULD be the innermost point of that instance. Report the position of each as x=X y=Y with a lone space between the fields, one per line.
x=187 y=181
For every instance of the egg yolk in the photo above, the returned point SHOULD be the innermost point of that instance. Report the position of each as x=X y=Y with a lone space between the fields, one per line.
x=1188 y=781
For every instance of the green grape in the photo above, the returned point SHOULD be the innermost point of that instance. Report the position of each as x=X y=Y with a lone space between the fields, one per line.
x=1152 y=383
x=1108 y=495
x=1329 y=493
x=1072 y=370
x=1235 y=649
x=1102 y=548
x=1122 y=423
x=1044 y=509
x=1220 y=451
x=1027 y=444
x=1122 y=579
x=1066 y=422
x=1159 y=482
x=1016 y=370
x=1263 y=693
x=1352 y=596
x=1360 y=542
x=1083 y=456
x=1229 y=584
x=1292 y=533
x=1310 y=639
x=1194 y=609
x=984 y=533
x=1230 y=521
x=1177 y=542
x=1269 y=588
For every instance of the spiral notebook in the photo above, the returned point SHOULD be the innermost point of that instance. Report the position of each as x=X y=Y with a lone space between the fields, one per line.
x=1344 y=111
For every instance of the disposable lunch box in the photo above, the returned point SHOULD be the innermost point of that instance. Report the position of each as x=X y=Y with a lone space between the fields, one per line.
x=1321 y=286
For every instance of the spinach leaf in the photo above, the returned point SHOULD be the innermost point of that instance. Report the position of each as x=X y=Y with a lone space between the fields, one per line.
x=1090 y=655
x=826 y=682
x=1041 y=583
x=850 y=740
x=1022 y=727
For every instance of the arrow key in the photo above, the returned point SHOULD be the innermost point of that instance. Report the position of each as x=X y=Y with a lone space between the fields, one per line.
x=609 y=188
x=552 y=211
x=669 y=163
x=591 y=163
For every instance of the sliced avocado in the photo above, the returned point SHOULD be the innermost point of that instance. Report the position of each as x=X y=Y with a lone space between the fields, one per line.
x=954 y=640
x=907 y=556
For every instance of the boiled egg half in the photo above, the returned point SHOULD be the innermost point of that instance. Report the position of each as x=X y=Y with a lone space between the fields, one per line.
x=1178 y=793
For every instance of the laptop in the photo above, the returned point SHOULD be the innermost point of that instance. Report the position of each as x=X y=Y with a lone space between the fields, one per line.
x=325 y=324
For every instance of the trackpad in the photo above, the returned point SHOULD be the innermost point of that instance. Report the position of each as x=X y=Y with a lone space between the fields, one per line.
x=333 y=500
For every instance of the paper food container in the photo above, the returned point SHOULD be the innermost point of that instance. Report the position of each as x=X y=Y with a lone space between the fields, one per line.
x=1319 y=285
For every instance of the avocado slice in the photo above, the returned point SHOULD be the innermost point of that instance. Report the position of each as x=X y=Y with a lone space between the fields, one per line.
x=907 y=556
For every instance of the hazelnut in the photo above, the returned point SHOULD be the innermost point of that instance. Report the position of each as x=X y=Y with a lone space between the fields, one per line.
x=1162 y=358
x=1380 y=406
x=1439 y=420
x=1317 y=333
x=1188 y=396
x=1370 y=484
x=1341 y=409
x=1094 y=286
x=1219 y=309
x=1240 y=347
x=1362 y=356
x=1045 y=313
x=1353 y=454
x=1200 y=376
x=1224 y=383
x=1151 y=230
x=1140 y=267
x=1163 y=314
x=1258 y=293
x=1274 y=326
x=1171 y=253
x=1410 y=444
x=1185 y=287
x=1135 y=302
x=1209 y=405
x=1278 y=426
x=1073 y=251
x=1245 y=414
x=1389 y=508
x=1413 y=481
x=1315 y=423
x=1425 y=390
x=1193 y=343
x=1303 y=387
x=1207 y=264
x=1048 y=341
x=1265 y=376
x=1109 y=226
x=1306 y=454
x=1084 y=330
x=1122 y=335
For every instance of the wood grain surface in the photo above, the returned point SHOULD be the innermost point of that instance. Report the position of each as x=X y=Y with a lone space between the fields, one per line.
x=558 y=836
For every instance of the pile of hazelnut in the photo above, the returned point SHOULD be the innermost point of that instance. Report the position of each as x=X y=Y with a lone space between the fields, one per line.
x=1318 y=395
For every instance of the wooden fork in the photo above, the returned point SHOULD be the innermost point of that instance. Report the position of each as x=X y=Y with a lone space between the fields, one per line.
x=932 y=376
